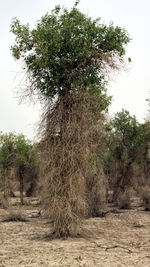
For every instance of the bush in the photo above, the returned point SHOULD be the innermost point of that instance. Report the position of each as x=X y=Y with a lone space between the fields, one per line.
x=14 y=216
x=3 y=201
x=145 y=196
x=124 y=201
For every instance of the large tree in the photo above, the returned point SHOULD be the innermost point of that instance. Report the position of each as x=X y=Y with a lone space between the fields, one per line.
x=67 y=57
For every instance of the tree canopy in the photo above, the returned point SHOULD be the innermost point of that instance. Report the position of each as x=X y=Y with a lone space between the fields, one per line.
x=68 y=52
x=7 y=148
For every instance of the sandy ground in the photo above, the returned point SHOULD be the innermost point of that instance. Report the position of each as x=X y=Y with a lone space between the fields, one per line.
x=121 y=238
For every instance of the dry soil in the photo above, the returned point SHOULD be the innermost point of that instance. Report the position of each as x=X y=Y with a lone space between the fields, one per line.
x=121 y=238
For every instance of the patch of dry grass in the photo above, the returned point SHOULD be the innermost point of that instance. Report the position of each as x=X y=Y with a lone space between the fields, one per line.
x=14 y=216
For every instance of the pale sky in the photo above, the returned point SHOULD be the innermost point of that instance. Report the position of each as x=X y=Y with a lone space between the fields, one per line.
x=129 y=88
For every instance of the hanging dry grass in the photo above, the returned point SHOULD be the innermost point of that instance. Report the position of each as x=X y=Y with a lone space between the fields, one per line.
x=96 y=181
x=70 y=188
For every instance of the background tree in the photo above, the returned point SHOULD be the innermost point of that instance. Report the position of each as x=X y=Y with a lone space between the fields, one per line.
x=7 y=154
x=142 y=166
x=66 y=58
x=126 y=137
x=32 y=171
x=25 y=161
x=17 y=154
x=142 y=156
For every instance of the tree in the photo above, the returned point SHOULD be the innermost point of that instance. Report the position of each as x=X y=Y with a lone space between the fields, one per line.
x=66 y=57
x=17 y=154
x=126 y=135
x=32 y=171
x=7 y=153
x=142 y=155
x=25 y=160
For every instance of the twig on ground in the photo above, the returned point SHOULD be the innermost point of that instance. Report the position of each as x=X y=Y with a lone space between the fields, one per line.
x=115 y=246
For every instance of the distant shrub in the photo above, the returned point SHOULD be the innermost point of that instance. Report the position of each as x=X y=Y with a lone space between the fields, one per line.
x=14 y=216
x=3 y=201
x=145 y=196
x=124 y=201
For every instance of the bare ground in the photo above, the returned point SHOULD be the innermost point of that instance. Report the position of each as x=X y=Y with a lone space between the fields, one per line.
x=121 y=238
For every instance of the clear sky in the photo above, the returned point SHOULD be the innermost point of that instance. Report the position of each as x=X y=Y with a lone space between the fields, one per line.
x=129 y=88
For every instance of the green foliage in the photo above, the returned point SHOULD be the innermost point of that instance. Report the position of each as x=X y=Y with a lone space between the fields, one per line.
x=127 y=156
x=125 y=137
x=17 y=153
x=126 y=134
x=7 y=149
x=68 y=52
x=23 y=149
x=14 y=150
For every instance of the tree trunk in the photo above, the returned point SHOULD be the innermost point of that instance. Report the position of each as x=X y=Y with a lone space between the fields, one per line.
x=123 y=180
x=6 y=183
x=21 y=180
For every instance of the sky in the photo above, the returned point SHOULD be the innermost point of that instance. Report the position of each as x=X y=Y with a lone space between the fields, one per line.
x=130 y=87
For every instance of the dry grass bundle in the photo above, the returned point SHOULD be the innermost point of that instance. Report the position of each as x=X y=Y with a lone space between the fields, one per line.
x=15 y=216
x=3 y=201
x=66 y=149
x=96 y=181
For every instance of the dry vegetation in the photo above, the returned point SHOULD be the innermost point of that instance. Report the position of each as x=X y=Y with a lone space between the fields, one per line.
x=80 y=156
x=73 y=181
x=120 y=238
